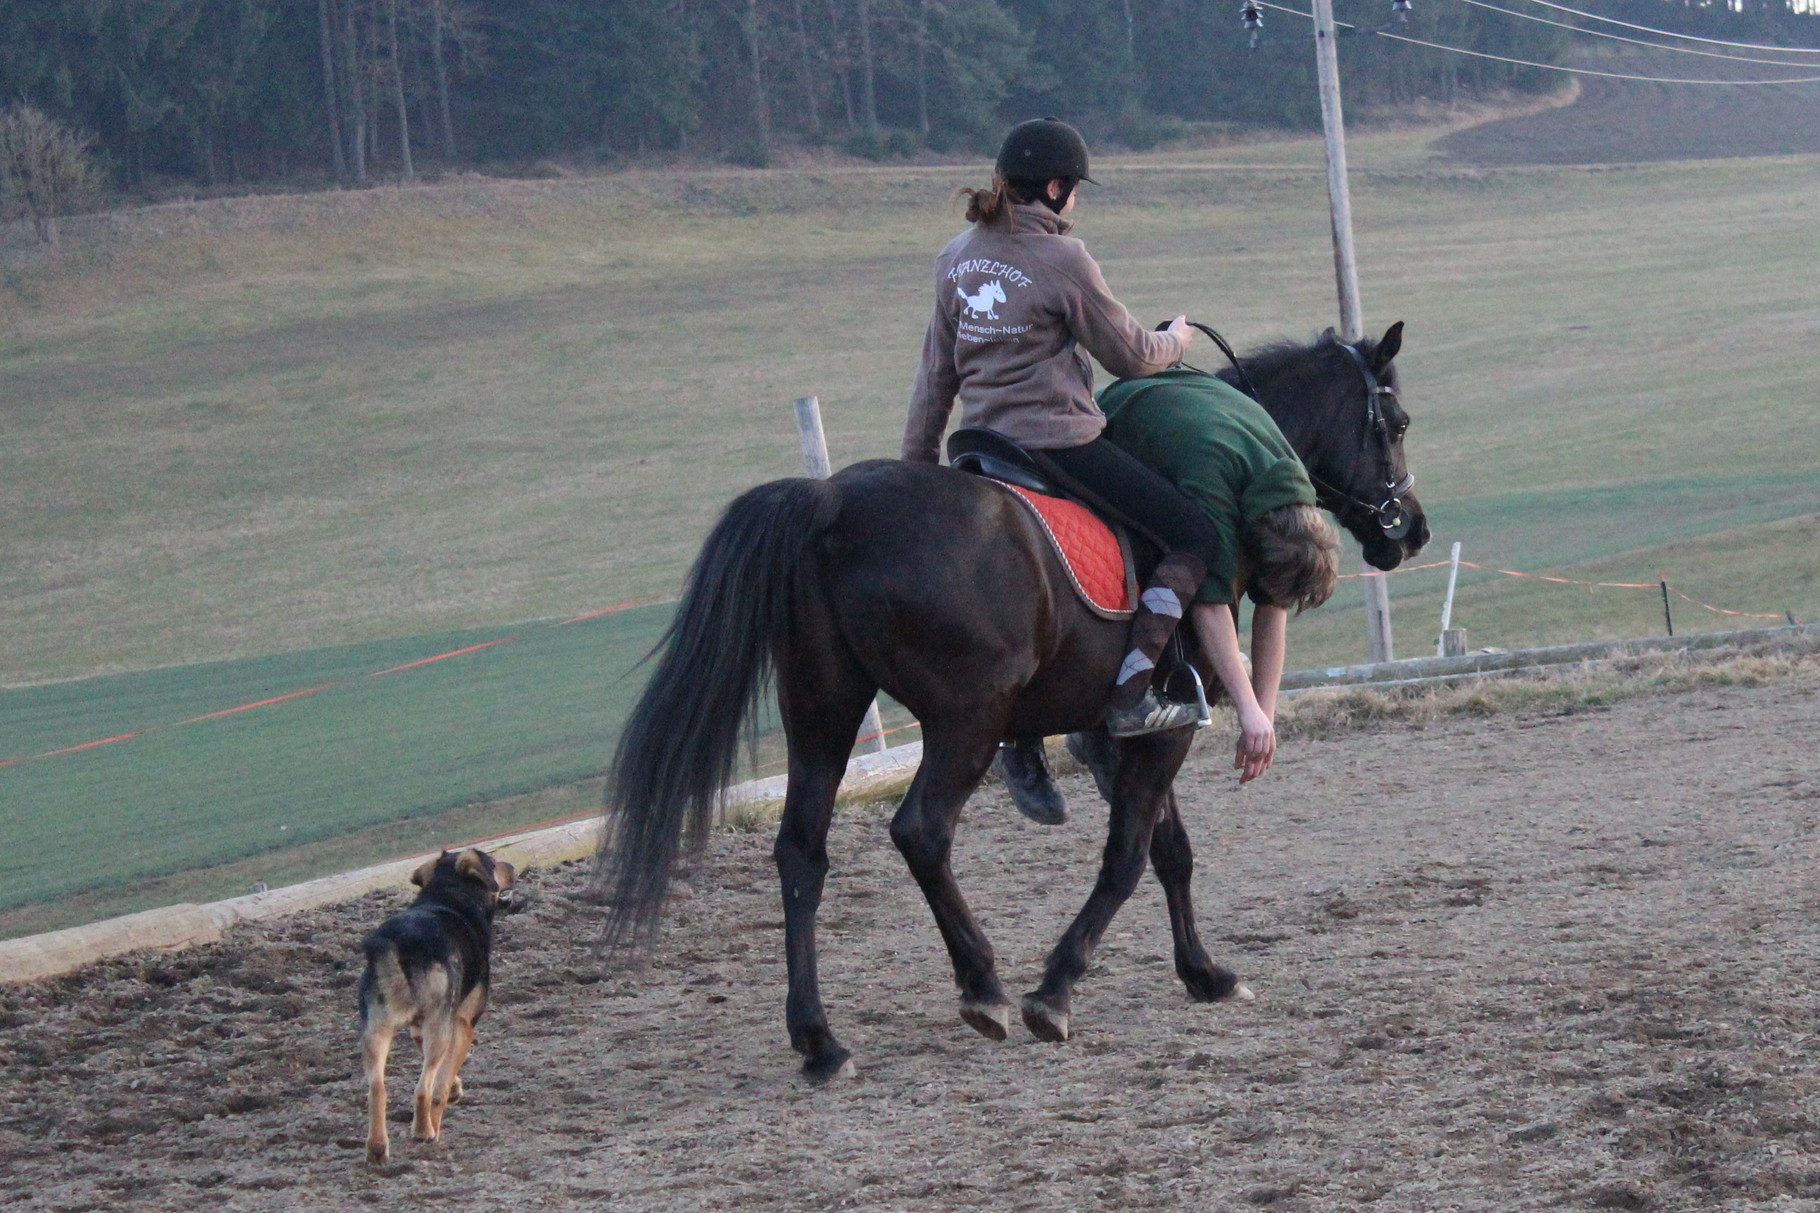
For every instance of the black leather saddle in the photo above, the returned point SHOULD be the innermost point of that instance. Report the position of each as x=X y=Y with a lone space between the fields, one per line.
x=990 y=454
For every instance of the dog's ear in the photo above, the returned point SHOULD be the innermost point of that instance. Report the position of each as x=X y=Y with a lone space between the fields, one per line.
x=473 y=863
x=504 y=874
x=421 y=876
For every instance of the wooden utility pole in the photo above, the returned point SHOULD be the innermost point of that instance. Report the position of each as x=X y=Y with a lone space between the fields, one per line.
x=1345 y=270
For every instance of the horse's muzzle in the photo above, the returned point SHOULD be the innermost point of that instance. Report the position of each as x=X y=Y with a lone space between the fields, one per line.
x=1393 y=518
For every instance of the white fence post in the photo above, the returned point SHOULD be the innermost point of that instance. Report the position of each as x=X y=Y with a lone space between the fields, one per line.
x=1453 y=575
x=815 y=462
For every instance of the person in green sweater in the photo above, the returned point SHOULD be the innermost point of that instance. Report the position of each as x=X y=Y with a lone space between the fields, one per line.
x=1226 y=454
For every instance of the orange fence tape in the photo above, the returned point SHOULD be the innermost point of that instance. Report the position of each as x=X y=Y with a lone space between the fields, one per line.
x=1606 y=585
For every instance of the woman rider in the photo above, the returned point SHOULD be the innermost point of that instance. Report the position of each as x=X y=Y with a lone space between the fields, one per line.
x=1016 y=301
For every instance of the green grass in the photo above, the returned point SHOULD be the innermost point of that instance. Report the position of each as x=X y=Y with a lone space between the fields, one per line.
x=367 y=743
x=313 y=426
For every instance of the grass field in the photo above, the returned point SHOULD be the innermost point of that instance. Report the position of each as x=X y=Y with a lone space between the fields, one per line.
x=294 y=425
x=366 y=730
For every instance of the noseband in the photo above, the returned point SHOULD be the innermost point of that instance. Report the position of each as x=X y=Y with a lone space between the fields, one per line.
x=1389 y=513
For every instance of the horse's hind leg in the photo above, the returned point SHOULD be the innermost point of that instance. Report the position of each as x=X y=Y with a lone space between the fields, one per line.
x=954 y=761
x=1173 y=860
x=1146 y=767
x=821 y=726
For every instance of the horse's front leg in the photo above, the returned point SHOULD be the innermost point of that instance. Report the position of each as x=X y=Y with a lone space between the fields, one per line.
x=1145 y=768
x=954 y=761
x=1173 y=860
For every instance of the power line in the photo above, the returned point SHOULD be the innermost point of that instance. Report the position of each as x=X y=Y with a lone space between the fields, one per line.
x=1583 y=71
x=1552 y=67
x=1748 y=46
x=1599 y=33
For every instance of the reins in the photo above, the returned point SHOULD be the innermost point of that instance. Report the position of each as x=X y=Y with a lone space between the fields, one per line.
x=1245 y=384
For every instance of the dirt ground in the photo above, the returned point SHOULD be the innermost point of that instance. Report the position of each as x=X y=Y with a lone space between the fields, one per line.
x=1507 y=963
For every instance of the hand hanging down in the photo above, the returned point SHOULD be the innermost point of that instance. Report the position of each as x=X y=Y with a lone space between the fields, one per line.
x=1254 y=698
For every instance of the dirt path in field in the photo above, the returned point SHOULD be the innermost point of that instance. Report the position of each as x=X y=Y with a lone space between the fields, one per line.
x=1512 y=963
x=1632 y=121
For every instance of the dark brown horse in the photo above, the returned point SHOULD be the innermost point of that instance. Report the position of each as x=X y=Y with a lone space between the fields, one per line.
x=935 y=587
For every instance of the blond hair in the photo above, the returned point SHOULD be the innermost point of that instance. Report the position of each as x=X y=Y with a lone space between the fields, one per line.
x=1294 y=554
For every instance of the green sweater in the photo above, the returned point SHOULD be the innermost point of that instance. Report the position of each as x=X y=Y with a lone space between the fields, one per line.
x=1217 y=445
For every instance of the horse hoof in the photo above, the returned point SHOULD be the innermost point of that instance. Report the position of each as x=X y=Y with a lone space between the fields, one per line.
x=990 y=1019
x=829 y=1066
x=1044 y=1021
x=1213 y=984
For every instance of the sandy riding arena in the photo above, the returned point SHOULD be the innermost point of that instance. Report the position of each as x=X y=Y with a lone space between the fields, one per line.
x=1529 y=960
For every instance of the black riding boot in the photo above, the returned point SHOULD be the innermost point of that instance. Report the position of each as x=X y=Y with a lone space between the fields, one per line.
x=1020 y=764
x=1100 y=756
x=1135 y=706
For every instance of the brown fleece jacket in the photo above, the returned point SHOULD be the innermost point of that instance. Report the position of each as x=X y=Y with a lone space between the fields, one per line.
x=1015 y=301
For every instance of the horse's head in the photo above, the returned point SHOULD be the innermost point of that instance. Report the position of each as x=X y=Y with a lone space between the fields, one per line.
x=1337 y=404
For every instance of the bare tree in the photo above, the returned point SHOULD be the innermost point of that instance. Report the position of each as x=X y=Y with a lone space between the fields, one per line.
x=868 y=99
x=354 y=75
x=761 y=101
x=438 y=32
x=922 y=67
x=45 y=169
x=325 y=20
x=812 y=111
x=404 y=121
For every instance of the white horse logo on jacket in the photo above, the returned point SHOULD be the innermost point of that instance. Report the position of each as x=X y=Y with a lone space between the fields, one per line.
x=980 y=306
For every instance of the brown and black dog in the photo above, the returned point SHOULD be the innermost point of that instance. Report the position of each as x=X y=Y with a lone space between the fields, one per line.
x=427 y=969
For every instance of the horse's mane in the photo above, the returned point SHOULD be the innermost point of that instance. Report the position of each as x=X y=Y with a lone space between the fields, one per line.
x=1270 y=360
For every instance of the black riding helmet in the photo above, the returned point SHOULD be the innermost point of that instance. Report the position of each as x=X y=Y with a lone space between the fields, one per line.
x=1037 y=152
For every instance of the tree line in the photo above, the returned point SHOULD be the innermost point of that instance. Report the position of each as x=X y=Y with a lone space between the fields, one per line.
x=214 y=92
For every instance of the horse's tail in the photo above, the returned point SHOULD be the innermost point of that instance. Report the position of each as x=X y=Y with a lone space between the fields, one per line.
x=678 y=748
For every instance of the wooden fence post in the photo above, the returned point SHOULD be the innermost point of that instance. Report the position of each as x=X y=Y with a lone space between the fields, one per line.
x=1453 y=576
x=1345 y=270
x=815 y=462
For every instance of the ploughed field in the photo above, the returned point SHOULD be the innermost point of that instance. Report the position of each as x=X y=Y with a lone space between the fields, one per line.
x=1522 y=961
x=1629 y=121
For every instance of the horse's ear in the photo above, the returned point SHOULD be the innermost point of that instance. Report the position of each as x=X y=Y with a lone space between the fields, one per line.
x=1388 y=346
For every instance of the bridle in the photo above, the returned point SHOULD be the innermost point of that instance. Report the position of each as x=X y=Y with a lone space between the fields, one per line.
x=1389 y=513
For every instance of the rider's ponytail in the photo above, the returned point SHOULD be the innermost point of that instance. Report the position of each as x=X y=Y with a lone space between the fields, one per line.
x=993 y=203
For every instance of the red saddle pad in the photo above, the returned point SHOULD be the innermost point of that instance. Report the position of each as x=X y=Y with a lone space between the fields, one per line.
x=1089 y=550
